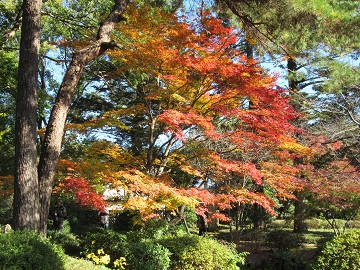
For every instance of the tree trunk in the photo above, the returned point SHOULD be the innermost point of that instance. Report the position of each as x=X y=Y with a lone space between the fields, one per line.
x=26 y=193
x=237 y=217
x=300 y=225
x=292 y=69
x=55 y=128
x=258 y=217
x=179 y=216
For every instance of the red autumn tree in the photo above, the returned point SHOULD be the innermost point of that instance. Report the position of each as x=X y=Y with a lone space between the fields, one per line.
x=201 y=122
x=333 y=183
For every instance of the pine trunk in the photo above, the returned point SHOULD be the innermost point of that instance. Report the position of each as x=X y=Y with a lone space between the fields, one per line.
x=26 y=192
x=300 y=225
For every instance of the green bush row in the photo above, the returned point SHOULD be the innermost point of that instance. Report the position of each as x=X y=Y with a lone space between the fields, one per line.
x=160 y=250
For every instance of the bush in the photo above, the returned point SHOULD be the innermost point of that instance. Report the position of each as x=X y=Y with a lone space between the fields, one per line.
x=282 y=224
x=82 y=264
x=112 y=243
x=139 y=251
x=68 y=241
x=283 y=240
x=149 y=256
x=157 y=248
x=28 y=250
x=154 y=229
x=343 y=252
x=192 y=252
x=253 y=235
x=285 y=260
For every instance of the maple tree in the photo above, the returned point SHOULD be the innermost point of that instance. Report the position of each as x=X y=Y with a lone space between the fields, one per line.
x=186 y=121
x=333 y=183
x=82 y=192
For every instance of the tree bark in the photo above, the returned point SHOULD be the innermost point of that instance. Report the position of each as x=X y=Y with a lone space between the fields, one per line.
x=55 y=128
x=300 y=225
x=292 y=69
x=179 y=216
x=26 y=193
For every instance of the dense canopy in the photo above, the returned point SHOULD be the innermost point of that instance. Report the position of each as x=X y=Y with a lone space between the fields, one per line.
x=178 y=103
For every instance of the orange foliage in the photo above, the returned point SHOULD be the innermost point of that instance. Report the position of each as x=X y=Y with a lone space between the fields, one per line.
x=200 y=79
x=283 y=178
x=201 y=74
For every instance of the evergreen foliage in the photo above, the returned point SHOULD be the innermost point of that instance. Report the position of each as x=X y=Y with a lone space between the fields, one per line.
x=155 y=247
x=151 y=256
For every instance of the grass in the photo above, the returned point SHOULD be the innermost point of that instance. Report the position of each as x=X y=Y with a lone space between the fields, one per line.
x=72 y=263
x=263 y=250
x=318 y=236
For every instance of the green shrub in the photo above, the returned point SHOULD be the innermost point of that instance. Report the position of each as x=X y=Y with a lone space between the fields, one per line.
x=317 y=223
x=138 y=249
x=285 y=260
x=341 y=253
x=322 y=223
x=149 y=256
x=283 y=240
x=68 y=241
x=281 y=224
x=27 y=250
x=154 y=229
x=112 y=243
x=192 y=252
x=253 y=235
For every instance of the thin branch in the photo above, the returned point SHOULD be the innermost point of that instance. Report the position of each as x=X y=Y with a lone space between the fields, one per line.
x=11 y=33
x=248 y=22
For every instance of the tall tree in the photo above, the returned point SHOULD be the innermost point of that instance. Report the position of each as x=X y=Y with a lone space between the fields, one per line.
x=55 y=128
x=26 y=189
